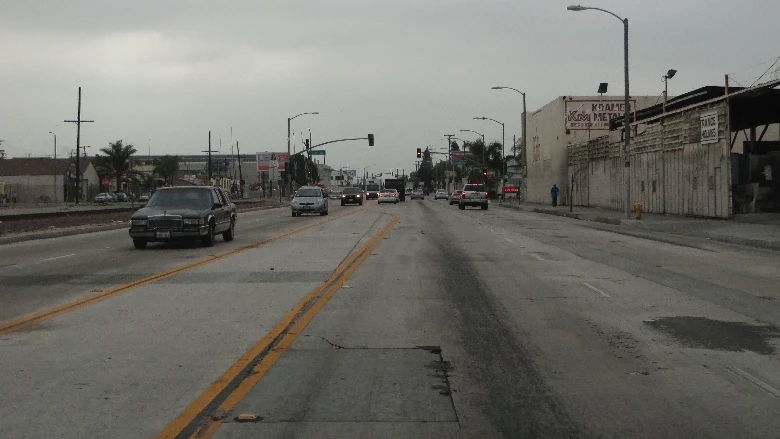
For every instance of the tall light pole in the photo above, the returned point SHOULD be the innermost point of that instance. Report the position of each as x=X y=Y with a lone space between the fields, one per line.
x=484 y=146
x=55 y=165
x=525 y=137
x=503 y=140
x=365 y=176
x=669 y=75
x=627 y=111
x=289 y=158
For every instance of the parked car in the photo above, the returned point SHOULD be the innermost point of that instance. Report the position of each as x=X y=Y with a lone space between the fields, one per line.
x=418 y=195
x=103 y=198
x=145 y=196
x=335 y=195
x=473 y=195
x=352 y=195
x=184 y=212
x=454 y=197
x=121 y=197
x=441 y=193
x=388 y=196
x=309 y=199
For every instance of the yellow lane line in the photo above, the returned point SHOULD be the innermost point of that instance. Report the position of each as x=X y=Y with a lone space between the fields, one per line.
x=27 y=321
x=266 y=350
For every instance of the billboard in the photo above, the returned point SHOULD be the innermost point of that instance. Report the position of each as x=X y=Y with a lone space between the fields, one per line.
x=460 y=157
x=267 y=160
x=594 y=114
x=349 y=172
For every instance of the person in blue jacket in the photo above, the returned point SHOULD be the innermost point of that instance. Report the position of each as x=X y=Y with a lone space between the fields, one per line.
x=554 y=193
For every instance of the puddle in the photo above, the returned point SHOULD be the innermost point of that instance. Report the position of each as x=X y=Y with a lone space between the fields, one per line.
x=701 y=332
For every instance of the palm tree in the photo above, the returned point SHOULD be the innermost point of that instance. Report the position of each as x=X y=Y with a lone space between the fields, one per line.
x=116 y=162
x=167 y=167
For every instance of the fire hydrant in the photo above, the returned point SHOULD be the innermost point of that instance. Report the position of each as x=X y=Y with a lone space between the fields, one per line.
x=638 y=210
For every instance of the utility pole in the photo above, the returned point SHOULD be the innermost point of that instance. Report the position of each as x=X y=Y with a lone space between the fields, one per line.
x=78 y=123
x=209 y=160
x=240 y=174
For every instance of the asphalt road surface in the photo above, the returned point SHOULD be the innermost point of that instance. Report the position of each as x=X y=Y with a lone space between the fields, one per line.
x=410 y=320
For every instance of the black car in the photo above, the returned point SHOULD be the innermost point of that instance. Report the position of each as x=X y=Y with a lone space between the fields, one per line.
x=186 y=212
x=352 y=195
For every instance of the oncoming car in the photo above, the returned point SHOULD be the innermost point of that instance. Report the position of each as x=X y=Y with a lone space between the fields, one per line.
x=184 y=212
x=309 y=199
x=352 y=195
x=388 y=196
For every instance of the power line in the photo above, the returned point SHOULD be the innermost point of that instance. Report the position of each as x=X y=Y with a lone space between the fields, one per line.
x=767 y=71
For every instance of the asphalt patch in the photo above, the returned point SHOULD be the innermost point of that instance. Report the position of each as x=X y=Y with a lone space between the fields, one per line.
x=701 y=332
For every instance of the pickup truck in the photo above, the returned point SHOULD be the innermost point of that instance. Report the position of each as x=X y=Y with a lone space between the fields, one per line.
x=473 y=195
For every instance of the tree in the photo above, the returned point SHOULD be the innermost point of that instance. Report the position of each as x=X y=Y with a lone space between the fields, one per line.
x=116 y=162
x=304 y=170
x=167 y=167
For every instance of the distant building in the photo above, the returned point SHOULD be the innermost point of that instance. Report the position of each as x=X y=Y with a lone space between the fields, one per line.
x=46 y=180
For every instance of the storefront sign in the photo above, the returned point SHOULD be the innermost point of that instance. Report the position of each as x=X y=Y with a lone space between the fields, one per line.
x=709 y=127
x=594 y=115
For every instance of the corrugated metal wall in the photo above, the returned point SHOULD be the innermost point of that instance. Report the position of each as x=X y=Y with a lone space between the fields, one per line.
x=671 y=171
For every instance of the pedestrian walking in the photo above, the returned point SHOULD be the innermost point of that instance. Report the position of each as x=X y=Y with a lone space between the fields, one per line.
x=554 y=193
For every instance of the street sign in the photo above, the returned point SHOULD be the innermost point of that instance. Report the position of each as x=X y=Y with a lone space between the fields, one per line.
x=316 y=152
x=458 y=162
x=510 y=190
x=509 y=174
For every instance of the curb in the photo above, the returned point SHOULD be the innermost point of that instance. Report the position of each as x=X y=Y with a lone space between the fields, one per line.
x=73 y=231
x=671 y=238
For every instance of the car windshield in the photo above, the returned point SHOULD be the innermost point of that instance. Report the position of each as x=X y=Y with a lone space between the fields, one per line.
x=309 y=193
x=474 y=188
x=181 y=198
x=351 y=190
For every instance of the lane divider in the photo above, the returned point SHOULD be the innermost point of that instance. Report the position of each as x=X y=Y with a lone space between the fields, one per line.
x=206 y=413
x=33 y=319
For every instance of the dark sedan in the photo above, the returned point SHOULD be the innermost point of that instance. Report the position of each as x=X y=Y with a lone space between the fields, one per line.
x=351 y=195
x=187 y=212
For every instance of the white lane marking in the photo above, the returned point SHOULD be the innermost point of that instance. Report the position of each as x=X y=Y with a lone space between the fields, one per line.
x=509 y=241
x=753 y=380
x=537 y=257
x=58 y=257
x=596 y=290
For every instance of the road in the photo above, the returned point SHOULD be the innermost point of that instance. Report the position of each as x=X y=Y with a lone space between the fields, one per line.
x=408 y=320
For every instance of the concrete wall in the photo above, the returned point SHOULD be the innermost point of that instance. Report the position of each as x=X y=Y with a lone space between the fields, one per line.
x=548 y=142
x=671 y=171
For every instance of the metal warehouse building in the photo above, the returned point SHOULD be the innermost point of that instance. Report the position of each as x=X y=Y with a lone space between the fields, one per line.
x=565 y=121
x=712 y=153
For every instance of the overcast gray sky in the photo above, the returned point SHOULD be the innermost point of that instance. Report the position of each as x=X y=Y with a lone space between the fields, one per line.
x=408 y=71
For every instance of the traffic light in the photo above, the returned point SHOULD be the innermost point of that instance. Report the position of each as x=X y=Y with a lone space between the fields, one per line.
x=306 y=143
x=484 y=172
x=370 y=140
x=419 y=153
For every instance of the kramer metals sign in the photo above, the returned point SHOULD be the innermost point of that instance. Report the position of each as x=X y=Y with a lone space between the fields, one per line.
x=595 y=114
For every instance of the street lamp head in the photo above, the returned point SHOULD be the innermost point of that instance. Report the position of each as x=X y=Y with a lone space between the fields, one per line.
x=576 y=8
x=465 y=131
x=497 y=88
x=480 y=118
x=316 y=112
x=670 y=74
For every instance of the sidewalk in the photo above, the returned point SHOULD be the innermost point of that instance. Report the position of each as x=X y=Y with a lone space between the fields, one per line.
x=756 y=230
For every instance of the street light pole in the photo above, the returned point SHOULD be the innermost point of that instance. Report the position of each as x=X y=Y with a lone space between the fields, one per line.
x=55 y=165
x=627 y=110
x=289 y=157
x=483 y=145
x=525 y=137
x=503 y=140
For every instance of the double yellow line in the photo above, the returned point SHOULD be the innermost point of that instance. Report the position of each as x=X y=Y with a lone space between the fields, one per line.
x=34 y=319
x=205 y=415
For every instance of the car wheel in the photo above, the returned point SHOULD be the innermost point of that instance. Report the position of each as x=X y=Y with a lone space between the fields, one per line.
x=140 y=244
x=461 y=207
x=294 y=214
x=229 y=234
x=484 y=207
x=323 y=213
x=208 y=240
x=360 y=203
x=343 y=203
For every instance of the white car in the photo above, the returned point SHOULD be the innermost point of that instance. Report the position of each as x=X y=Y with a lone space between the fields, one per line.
x=441 y=193
x=388 y=196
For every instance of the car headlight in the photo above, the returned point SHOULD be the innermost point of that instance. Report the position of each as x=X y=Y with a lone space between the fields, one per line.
x=343 y=196
x=358 y=196
x=191 y=221
x=139 y=222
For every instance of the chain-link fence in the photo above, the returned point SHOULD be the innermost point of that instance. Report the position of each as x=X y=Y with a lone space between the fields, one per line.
x=42 y=195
